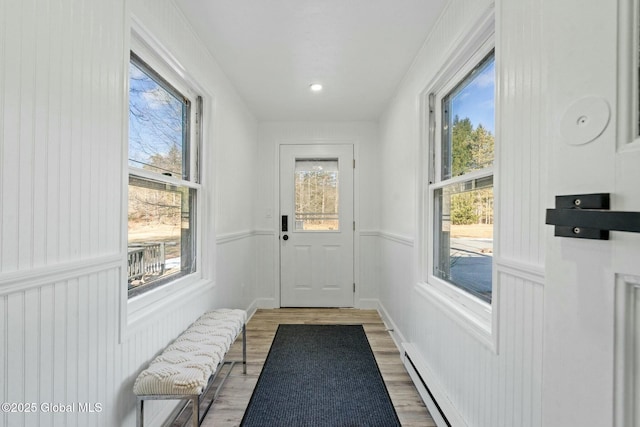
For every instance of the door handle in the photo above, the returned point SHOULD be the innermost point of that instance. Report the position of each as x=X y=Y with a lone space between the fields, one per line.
x=587 y=216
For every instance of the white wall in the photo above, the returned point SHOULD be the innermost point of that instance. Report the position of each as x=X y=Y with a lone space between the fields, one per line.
x=63 y=114
x=63 y=325
x=482 y=385
x=364 y=136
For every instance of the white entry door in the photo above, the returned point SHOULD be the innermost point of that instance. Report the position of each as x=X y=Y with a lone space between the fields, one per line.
x=591 y=353
x=316 y=226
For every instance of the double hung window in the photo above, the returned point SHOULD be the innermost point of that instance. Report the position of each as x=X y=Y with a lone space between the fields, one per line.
x=163 y=178
x=461 y=183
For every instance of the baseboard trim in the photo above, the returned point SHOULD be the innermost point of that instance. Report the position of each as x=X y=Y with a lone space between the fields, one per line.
x=367 y=304
x=440 y=407
x=251 y=310
x=392 y=328
x=432 y=405
x=267 y=303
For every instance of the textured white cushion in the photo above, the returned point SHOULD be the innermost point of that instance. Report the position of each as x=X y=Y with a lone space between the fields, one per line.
x=211 y=345
x=179 y=358
x=232 y=318
x=167 y=378
x=185 y=366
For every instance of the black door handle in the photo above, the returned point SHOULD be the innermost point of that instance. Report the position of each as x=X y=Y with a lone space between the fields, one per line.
x=587 y=216
x=285 y=237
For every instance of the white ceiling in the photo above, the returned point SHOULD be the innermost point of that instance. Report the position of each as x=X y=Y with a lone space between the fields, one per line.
x=272 y=50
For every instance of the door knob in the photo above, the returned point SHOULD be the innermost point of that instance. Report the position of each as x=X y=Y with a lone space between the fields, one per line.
x=285 y=237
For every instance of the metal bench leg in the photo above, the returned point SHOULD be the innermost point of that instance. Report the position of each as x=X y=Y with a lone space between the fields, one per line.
x=140 y=413
x=195 y=411
x=244 y=348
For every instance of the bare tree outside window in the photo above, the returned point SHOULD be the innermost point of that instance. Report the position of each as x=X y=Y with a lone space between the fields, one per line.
x=161 y=208
x=316 y=195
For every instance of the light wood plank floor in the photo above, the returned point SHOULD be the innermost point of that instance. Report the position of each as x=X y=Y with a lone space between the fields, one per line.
x=234 y=396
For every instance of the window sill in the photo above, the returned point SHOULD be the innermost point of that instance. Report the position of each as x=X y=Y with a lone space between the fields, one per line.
x=144 y=308
x=480 y=326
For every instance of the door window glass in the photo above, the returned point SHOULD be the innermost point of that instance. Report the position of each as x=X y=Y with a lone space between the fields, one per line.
x=316 y=195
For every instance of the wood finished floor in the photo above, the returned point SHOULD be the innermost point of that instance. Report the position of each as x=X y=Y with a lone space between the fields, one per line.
x=234 y=396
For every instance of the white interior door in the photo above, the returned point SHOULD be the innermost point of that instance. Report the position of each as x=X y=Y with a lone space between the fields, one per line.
x=316 y=226
x=591 y=353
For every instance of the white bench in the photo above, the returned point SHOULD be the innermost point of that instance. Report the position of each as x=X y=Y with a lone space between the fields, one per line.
x=187 y=368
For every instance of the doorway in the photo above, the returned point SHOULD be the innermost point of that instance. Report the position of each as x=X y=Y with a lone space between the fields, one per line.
x=316 y=225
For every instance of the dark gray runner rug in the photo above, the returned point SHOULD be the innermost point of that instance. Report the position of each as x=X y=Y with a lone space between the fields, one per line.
x=320 y=375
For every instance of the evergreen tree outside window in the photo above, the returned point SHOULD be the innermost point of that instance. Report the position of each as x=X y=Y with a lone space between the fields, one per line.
x=462 y=188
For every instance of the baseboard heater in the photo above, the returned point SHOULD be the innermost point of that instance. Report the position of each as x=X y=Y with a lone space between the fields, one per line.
x=442 y=416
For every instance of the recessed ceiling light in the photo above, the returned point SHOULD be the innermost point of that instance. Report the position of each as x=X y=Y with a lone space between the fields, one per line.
x=315 y=87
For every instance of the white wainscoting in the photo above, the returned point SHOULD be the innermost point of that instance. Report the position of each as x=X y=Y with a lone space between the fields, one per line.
x=368 y=269
x=266 y=294
x=482 y=387
x=59 y=343
x=245 y=268
x=473 y=384
x=397 y=278
x=63 y=117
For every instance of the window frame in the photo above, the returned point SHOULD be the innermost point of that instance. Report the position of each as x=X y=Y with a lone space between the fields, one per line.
x=167 y=73
x=438 y=182
x=475 y=315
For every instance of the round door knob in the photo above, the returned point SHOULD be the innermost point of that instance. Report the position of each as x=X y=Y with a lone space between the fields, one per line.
x=285 y=237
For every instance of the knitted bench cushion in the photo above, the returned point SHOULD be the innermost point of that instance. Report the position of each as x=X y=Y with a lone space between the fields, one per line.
x=229 y=317
x=172 y=379
x=179 y=358
x=217 y=345
x=185 y=366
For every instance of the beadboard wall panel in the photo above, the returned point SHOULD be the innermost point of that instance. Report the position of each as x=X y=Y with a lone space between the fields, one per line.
x=486 y=386
x=62 y=95
x=397 y=278
x=63 y=118
x=521 y=150
x=487 y=389
x=367 y=291
x=60 y=345
x=266 y=263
